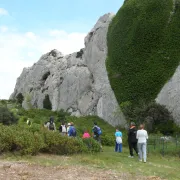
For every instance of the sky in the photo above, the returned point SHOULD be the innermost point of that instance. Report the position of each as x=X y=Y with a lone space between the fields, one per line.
x=31 y=28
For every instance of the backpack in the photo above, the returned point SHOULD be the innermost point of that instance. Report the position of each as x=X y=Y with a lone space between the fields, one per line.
x=73 y=131
x=51 y=126
x=97 y=130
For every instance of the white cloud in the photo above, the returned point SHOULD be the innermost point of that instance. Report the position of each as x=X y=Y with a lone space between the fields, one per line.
x=19 y=50
x=3 y=12
x=30 y=35
x=3 y=29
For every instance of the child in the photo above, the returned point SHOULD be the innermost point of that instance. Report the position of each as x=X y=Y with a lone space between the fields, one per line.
x=118 y=146
x=86 y=135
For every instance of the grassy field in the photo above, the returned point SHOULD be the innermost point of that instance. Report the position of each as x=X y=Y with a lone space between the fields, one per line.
x=156 y=166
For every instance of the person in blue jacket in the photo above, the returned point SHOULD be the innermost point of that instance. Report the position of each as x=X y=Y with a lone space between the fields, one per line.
x=118 y=145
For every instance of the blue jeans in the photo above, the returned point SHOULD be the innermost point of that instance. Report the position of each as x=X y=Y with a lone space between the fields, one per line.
x=142 y=151
x=118 y=147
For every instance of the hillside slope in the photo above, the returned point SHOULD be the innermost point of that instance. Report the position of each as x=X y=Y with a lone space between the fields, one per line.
x=143 y=48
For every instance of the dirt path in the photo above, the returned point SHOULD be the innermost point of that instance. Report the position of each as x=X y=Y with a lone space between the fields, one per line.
x=27 y=171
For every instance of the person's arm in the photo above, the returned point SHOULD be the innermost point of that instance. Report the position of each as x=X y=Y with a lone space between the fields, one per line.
x=146 y=135
x=137 y=135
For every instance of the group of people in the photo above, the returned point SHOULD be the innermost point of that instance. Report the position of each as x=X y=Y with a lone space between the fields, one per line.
x=69 y=130
x=64 y=129
x=137 y=140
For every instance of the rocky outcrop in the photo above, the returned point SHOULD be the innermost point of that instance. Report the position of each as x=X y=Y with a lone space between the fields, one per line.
x=170 y=95
x=78 y=82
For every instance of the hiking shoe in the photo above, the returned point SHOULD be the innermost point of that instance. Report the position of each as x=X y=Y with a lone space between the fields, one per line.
x=131 y=156
x=144 y=161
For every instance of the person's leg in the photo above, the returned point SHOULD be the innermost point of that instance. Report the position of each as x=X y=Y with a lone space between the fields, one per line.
x=120 y=147
x=116 y=147
x=140 y=151
x=130 y=149
x=144 y=151
x=135 y=148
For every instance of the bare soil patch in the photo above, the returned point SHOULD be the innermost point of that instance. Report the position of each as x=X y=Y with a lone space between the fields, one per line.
x=27 y=171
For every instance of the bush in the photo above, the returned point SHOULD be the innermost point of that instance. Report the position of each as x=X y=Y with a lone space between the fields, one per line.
x=92 y=145
x=20 y=98
x=7 y=117
x=35 y=139
x=156 y=117
x=143 y=49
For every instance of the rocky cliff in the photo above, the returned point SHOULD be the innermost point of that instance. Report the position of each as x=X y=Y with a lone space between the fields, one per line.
x=77 y=82
x=170 y=95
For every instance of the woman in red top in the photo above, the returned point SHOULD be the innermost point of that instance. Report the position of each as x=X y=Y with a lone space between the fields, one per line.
x=86 y=135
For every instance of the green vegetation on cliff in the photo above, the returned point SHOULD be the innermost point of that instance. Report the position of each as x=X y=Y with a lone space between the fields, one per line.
x=143 y=48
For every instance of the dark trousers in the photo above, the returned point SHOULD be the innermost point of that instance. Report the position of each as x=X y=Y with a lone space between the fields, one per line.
x=118 y=147
x=133 y=145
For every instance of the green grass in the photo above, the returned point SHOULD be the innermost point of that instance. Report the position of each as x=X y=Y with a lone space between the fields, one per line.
x=143 y=49
x=164 y=167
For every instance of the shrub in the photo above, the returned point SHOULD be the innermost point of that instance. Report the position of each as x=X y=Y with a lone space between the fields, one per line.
x=7 y=117
x=57 y=144
x=155 y=116
x=92 y=145
x=20 y=98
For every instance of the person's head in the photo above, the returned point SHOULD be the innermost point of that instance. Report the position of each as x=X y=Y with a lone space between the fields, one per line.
x=69 y=124
x=95 y=123
x=132 y=124
x=85 y=131
x=62 y=123
x=141 y=126
x=72 y=124
x=51 y=119
x=117 y=130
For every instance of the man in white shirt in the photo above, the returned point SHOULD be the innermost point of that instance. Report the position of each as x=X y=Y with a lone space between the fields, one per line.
x=142 y=137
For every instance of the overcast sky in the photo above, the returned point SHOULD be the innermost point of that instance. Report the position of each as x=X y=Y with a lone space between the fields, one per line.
x=31 y=28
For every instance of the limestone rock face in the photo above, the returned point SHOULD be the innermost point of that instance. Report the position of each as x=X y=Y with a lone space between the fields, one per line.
x=170 y=95
x=78 y=82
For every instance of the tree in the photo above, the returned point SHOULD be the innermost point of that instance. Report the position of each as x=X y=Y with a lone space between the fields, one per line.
x=6 y=116
x=20 y=98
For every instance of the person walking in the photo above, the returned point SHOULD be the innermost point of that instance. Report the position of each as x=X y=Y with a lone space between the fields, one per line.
x=132 y=141
x=97 y=134
x=142 y=137
x=118 y=145
x=63 y=129
x=51 y=125
x=68 y=127
x=72 y=130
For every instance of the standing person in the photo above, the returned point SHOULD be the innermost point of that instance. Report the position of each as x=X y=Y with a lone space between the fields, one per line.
x=51 y=125
x=118 y=146
x=63 y=129
x=72 y=130
x=68 y=127
x=132 y=141
x=142 y=137
x=97 y=133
